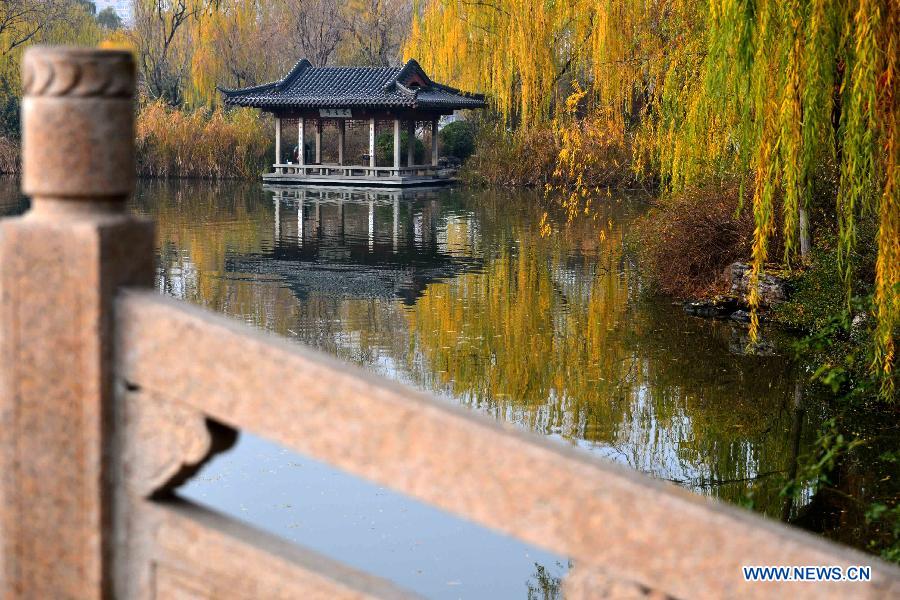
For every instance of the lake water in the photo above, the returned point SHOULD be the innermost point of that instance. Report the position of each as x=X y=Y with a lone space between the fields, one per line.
x=457 y=292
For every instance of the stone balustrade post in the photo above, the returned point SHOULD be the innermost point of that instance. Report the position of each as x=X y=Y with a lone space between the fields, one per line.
x=60 y=266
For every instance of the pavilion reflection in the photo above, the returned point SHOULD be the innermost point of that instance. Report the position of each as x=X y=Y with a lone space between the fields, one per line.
x=360 y=243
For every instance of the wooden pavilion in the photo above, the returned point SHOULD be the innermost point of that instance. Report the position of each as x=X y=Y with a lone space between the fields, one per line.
x=341 y=96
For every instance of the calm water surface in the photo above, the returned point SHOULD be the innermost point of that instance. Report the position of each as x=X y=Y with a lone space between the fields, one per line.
x=456 y=292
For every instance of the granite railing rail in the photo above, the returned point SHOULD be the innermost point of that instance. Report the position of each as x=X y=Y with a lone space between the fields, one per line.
x=113 y=395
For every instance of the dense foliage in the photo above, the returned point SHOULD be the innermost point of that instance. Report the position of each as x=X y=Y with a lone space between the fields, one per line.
x=770 y=93
x=26 y=22
x=384 y=149
x=689 y=238
x=794 y=99
x=458 y=139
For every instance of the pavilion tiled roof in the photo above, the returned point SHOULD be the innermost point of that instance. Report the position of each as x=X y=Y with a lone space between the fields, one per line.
x=306 y=86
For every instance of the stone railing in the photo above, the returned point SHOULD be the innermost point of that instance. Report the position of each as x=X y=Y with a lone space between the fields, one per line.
x=113 y=395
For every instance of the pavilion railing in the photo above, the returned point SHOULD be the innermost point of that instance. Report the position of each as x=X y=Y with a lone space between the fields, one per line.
x=113 y=395
x=357 y=171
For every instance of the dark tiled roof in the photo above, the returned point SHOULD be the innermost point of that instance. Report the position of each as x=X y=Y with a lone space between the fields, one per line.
x=306 y=86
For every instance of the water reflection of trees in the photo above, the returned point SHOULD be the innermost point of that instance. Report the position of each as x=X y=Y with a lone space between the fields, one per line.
x=550 y=336
x=545 y=332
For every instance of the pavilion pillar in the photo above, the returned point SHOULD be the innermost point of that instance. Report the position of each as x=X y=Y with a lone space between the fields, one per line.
x=318 y=141
x=277 y=140
x=372 y=142
x=301 y=141
x=434 y=142
x=410 y=143
x=397 y=144
x=342 y=127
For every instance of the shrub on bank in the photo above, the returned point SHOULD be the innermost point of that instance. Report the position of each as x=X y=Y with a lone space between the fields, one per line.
x=686 y=240
x=384 y=149
x=458 y=139
x=819 y=290
x=532 y=157
x=523 y=158
x=200 y=143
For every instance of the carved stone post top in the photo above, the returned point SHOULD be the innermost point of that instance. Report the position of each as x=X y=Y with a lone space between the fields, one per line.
x=77 y=125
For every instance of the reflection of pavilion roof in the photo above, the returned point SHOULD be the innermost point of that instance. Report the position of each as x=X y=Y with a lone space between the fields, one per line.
x=346 y=279
x=352 y=264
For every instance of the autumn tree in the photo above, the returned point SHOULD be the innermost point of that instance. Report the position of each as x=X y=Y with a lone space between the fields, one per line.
x=771 y=93
x=162 y=37
x=312 y=29
x=26 y=22
x=108 y=18
x=237 y=45
x=22 y=20
x=376 y=30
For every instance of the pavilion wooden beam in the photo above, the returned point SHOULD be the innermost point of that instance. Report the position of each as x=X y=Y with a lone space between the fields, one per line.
x=410 y=142
x=396 y=143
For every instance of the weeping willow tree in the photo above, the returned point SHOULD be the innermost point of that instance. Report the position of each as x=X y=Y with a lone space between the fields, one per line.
x=27 y=22
x=771 y=92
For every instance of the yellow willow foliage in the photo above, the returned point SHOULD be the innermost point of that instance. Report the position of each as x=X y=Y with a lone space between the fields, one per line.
x=226 y=48
x=769 y=91
x=521 y=51
x=591 y=151
x=214 y=145
x=887 y=266
x=118 y=40
x=788 y=70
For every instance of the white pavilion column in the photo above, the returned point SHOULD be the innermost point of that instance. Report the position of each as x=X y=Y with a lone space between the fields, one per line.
x=318 y=141
x=301 y=141
x=434 y=142
x=342 y=125
x=277 y=140
x=410 y=143
x=372 y=142
x=397 y=144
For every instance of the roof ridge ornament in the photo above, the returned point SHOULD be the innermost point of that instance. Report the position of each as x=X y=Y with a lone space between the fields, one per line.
x=413 y=66
x=408 y=91
x=298 y=68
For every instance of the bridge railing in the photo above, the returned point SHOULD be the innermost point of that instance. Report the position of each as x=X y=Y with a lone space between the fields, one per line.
x=113 y=395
